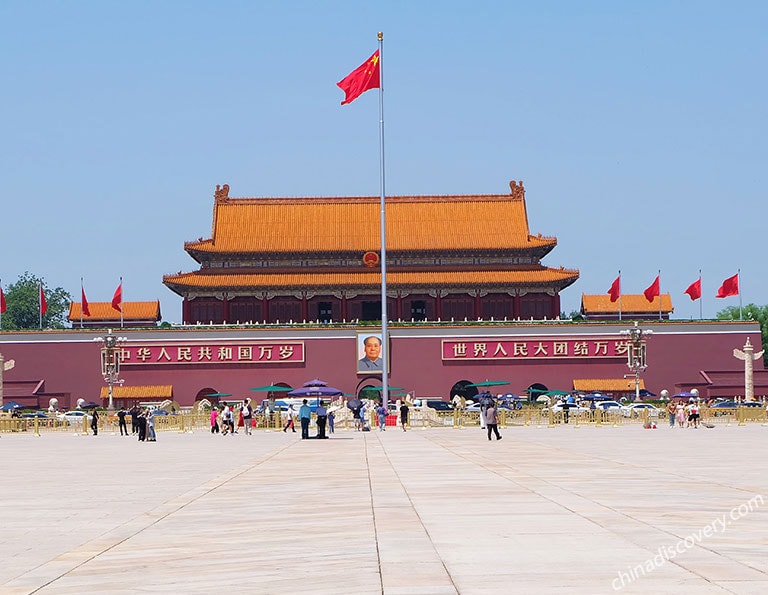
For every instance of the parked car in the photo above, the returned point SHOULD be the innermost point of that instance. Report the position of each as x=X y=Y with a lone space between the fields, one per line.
x=636 y=410
x=438 y=405
x=734 y=404
x=608 y=406
x=561 y=406
x=35 y=414
x=74 y=417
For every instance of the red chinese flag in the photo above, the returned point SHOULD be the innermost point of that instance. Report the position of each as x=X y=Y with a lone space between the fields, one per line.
x=654 y=290
x=117 y=299
x=694 y=290
x=729 y=287
x=43 y=303
x=2 y=301
x=615 y=290
x=84 y=303
x=361 y=79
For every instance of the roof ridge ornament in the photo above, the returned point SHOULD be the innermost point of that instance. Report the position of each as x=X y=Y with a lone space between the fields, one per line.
x=517 y=189
x=222 y=192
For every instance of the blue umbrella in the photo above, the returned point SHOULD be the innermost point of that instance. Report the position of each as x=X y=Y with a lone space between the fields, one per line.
x=11 y=406
x=315 y=391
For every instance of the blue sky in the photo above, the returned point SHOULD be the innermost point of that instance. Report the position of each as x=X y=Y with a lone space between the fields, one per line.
x=638 y=128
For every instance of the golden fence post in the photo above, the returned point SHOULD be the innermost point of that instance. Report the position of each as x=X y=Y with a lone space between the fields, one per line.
x=551 y=417
x=740 y=414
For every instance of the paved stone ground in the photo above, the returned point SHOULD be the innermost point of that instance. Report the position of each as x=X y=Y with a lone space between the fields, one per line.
x=545 y=510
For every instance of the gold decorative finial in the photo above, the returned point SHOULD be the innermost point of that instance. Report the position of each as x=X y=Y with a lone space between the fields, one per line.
x=381 y=35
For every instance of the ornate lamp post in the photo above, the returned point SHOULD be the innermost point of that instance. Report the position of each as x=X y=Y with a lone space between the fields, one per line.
x=110 y=362
x=636 y=360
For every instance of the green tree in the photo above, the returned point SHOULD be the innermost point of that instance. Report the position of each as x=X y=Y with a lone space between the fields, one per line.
x=23 y=305
x=750 y=312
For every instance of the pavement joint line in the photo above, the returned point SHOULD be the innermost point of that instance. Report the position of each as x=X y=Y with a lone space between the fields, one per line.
x=418 y=516
x=373 y=515
x=88 y=551
x=622 y=515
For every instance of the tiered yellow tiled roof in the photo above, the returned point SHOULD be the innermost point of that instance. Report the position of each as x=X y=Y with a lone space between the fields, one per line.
x=602 y=304
x=337 y=224
x=105 y=311
x=606 y=384
x=149 y=392
x=209 y=278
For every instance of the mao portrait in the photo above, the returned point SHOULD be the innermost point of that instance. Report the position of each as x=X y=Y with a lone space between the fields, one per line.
x=369 y=351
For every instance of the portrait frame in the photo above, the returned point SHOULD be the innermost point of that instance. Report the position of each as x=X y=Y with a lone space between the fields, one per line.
x=363 y=366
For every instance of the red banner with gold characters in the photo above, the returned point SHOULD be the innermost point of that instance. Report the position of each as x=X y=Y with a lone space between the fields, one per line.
x=530 y=349
x=245 y=352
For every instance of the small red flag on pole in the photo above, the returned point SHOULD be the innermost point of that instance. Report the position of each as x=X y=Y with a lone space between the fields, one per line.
x=43 y=303
x=654 y=290
x=86 y=311
x=615 y=290
x=694 y=290
x=361 y=79
x=729 y=287
x=2 y=301
x=117 y=299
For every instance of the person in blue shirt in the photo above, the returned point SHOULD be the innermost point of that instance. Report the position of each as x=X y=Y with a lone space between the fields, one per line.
x=304 y=415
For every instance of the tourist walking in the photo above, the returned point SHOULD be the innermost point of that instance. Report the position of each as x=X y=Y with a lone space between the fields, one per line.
x=322 y=418
x=671 y=411
x=141 y=421
x=404 y=415
x=229 y=420
x=151 y=437
x=95 y=422
x=491 y=421
x=290 y=414
x=356 y=418
x=121 y=421
x=331 y=422
x=305 y=413
x=214 y=421
x=247 y=412
x=680 y=415
x=134 y=419
x=381 y=411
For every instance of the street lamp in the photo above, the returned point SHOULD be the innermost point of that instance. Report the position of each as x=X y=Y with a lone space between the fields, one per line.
x=110 y=362
x=636 y=360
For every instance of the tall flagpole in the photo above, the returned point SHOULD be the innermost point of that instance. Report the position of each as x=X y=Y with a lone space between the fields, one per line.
x=701 y=300
x=40 y=303
x=620 y=292
x=385 y=343
x=738 y=278
x=82 y=293
x=1 y=325
x=659 y=294
x=122 y=301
